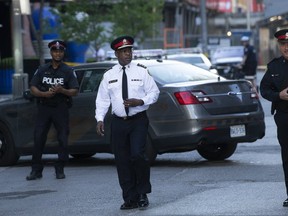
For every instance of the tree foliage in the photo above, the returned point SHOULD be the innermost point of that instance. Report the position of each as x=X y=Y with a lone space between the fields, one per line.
x=137 y=18
x=81 y=21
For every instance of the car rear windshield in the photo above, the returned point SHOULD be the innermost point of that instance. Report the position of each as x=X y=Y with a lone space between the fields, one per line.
x=175 y=73
x=228 y=52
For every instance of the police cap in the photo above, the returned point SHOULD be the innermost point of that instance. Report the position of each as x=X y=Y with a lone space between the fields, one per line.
x=282 y=35
x=245 y=38
x=57 y=45
x=122 y=42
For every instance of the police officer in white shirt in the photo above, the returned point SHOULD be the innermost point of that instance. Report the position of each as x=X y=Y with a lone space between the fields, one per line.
x=129 y=124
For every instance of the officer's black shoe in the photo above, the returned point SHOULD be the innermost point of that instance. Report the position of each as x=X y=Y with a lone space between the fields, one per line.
x=129 y=205
x=143 y=201
x=285 y=203
x=34 y=175
x=59 y=171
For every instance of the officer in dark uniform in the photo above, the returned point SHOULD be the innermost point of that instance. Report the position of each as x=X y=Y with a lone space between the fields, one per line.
x=274 y=87
x=249 y=63
x=53 y=84
x=130 y=90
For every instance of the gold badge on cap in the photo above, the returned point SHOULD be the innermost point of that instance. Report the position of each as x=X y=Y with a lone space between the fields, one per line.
x=125 y=42
x=286 y=36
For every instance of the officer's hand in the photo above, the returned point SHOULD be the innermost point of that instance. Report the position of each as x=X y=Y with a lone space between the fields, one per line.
x=284 y=94
x=57 y=88
x=50 y=93
x=100 y=128
x=133 y=102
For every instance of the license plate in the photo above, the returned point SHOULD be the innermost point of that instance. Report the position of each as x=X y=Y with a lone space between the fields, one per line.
x=237 y=131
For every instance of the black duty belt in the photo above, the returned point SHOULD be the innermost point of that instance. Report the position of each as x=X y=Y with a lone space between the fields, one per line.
x=141 y=114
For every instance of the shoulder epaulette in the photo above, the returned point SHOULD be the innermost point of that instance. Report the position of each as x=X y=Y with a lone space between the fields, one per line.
x=140 y=65
x=107 y=69
x=273 y=60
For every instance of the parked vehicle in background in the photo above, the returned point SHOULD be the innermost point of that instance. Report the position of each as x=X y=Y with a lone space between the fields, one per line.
x=197 y=59
x=196 y=110
x=226 y=60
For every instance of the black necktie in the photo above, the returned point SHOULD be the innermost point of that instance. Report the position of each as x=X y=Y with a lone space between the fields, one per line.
x=125 y=89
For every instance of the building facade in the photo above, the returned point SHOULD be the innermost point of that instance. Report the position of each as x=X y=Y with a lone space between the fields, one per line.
x=275 y=18
x=190 y=23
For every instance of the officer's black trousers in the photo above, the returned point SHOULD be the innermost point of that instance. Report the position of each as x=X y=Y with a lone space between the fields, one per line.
x=47 y=115
x=129 y=140
x=281 y=120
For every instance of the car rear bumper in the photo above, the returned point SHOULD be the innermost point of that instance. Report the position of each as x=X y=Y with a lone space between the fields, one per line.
x=253 y=131
x=188 y=142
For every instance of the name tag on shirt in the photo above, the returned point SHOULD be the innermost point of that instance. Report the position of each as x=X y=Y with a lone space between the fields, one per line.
x=113 y=81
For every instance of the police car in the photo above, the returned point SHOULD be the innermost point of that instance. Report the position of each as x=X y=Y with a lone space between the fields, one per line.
x=227 y=59
x=197 y=59
x=196 y=110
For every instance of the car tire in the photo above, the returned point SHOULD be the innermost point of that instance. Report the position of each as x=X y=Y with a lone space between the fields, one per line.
x=217 y=151
x=150 y=151
x=8 y=155
x=82 y=156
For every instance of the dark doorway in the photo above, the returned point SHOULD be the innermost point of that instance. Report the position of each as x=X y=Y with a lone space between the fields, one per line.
x=5 y=29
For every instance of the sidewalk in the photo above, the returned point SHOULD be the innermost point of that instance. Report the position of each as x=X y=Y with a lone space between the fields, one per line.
x=4 y=97
x=243 y=199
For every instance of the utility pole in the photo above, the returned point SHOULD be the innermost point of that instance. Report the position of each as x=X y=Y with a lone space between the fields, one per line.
x=20 y=79
x=248 y=14
x=204 y=26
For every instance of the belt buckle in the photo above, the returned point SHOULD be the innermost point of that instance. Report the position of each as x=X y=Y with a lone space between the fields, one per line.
x=125 y=118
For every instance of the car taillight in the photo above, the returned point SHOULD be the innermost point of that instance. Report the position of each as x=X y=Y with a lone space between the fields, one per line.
x=188 y=97
x=254 y=95
x=210 y=128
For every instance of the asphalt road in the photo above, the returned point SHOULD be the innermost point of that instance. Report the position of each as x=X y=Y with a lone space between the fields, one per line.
x=249 y=183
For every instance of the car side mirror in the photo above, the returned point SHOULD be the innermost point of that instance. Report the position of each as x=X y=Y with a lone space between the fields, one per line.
x=28 y=96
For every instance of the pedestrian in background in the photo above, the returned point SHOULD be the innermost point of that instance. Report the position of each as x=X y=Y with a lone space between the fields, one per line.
x=99 y=54
x=249 y=63
x=129 y=124
x=53 y=84
x=274 y=87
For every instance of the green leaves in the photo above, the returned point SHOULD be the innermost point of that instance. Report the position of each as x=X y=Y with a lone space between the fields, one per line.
x=138 y=18
x=83 y=21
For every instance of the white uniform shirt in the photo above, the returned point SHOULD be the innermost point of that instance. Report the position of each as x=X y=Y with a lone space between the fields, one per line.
x=141 y=85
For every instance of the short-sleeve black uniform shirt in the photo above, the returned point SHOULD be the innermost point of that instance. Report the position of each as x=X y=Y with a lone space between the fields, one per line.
x=45 y=77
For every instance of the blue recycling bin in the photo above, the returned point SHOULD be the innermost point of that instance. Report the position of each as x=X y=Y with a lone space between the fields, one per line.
x=52 y=22
x=76 y=52
x=6 y=76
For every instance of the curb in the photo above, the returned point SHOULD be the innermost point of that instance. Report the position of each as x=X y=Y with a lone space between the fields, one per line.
x=262 y=67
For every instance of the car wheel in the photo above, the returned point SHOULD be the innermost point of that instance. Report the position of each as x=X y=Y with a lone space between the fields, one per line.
x=82 y=156
x=217 y=151
x=150 y=151
x=8 y=155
